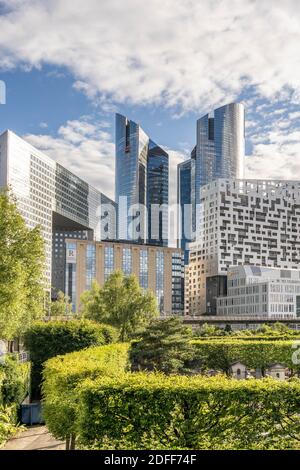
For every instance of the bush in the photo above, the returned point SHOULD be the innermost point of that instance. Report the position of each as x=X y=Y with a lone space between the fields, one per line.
x=46 y=340
x=8 y=422
x=154 y=411
x=63 y=374
x=216 y=354
x=14 y=386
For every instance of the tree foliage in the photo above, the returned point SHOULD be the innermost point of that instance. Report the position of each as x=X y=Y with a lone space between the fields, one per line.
x=163 y=346
x=61 y=307
x=122 y=303
x=22 y=283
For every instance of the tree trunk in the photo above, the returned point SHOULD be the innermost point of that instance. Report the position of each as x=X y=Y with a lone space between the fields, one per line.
x=72 y=442
x=68 y=443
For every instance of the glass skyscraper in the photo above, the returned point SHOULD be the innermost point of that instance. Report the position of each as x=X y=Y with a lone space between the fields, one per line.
x=219 y=153
x=220 y=149
x=185 y=197
x=157 y=194
x=141 y=181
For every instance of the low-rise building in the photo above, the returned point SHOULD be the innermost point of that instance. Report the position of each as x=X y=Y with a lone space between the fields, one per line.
x=261 y=291
x=159 y=269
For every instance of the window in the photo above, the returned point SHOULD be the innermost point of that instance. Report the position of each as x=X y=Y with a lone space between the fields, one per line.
x=127 y=261
x=160 y=279
x=90 y=265
x=144 y=269
x=108 y=261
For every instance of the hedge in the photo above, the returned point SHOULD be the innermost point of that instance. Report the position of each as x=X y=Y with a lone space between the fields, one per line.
x=63 y=374
x=45 y=340
x=249 y=338
x=216 y=354
x=153 y=411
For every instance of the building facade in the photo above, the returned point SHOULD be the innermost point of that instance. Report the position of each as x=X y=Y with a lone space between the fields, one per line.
x=219 y=153
x=49 y=195
x=242 y=222
x=186 y=203
x=261 y=291
x=141 y=181
x=220 y=149
x=159 y=269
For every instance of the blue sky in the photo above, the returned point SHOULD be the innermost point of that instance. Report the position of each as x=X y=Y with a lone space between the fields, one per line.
x=69 y=67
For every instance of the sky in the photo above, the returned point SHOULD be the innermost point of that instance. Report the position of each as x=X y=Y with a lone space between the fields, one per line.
x=70 y=65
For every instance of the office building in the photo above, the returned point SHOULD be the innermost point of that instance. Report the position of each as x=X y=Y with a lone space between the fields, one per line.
x=141 y=185
x=242 y=222
x=262 y=292
x=159 y=269
x=186 y=203
x=49 y=195
x=219 y=153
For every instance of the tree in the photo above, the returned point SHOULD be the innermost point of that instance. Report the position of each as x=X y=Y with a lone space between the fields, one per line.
x=164 y=346
x=122 y=303
x=22 y=257
x=62 y=306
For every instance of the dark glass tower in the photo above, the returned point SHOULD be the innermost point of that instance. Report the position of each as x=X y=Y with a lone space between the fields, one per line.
x=157 y=194
x=142 y=169
x=185 y=200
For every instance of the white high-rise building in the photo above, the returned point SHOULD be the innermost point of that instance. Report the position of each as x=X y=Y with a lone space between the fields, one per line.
x=242 y=222
x=52 y=197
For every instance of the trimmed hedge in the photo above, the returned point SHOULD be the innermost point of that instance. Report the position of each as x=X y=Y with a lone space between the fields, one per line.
x=63 y=374
x=249 y=338
x=217 y=354
x=153 y=411
x=45 y=340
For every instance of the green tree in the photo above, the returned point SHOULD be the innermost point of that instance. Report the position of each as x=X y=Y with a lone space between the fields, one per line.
x=164 y=346
x=22 y=286
x=122 y=303
x=61 y=306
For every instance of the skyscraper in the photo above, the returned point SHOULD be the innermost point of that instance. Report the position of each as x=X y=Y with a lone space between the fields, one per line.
x=219 y=153
x=50 y=196
x=220 y=149
x=142 y=180
x=185 y=199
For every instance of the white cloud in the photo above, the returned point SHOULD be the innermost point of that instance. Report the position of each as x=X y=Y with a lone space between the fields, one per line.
x=275 y=153
x=295 y=115
x=43 y=125
x=191 y=54
x=83 y=148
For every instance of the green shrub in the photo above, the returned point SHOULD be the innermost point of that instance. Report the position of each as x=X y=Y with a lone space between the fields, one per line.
x=217 y=354
x=63 y=374
x=154 y=411
x=46 y=340
x=15 y=381
x=8 y=422
x=14 y=386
